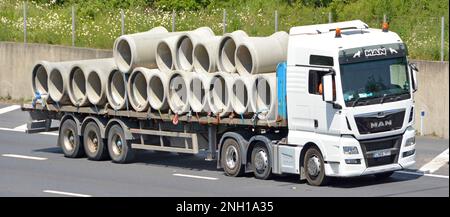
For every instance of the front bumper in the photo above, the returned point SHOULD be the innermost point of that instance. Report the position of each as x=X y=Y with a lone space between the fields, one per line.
x=339 y=168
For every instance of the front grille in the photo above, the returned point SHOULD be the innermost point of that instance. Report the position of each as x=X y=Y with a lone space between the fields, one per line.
x=373 y=124
x=370 y=147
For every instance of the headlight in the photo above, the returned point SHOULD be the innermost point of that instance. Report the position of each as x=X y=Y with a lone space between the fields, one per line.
x=410 y=141
x=350 y=150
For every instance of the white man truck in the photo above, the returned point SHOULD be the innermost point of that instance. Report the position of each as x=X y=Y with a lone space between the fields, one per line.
x=345 y=108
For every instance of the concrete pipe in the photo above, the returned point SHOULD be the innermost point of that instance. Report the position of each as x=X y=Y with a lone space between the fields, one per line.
x=165 y=53
x=78 y=79
x=58 y=82
x=179 y=94
x=185 y=46
x=137 y=89
x=116 y=90
x=97 y=81
x=220 y=93
x=199 y=89
x=264 y=96
x=227 y=49
x=157 y=90
x=205 y=60
x=39 y=77
x=138 y=50
x=241 y=97
x=261 y=54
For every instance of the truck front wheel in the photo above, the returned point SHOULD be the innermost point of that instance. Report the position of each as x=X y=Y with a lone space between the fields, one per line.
x=119 y=148
x=231 y=158
x=261 y=162
x=94 y=145
x=314 y=167
x=69 y=140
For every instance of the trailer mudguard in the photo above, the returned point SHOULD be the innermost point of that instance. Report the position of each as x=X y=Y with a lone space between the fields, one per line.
x=101 y=122
x=124 y=124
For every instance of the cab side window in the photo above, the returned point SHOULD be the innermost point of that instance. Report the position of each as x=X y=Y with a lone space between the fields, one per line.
x=315 y=81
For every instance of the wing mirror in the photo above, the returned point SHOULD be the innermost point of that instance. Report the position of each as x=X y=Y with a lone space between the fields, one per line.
x=413 y=70
x=329 y=89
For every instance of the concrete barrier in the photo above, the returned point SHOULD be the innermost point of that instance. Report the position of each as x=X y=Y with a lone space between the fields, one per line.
x=17 y=61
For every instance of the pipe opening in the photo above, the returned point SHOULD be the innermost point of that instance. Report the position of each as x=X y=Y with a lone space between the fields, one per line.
x=56 y=85
x=263 y=98
x=117 y=89
x=240 y=97
x=244 y=61
x=219 y=94
x=156 y=93
x=40 y=79
x=178 y=93
x=202 y=60
x=125 y=56
x=184 y=53
x=77 y=84
x=138 y=90
x=94 y=87
x=164 y=57
x=198 y=94
x=226 y=54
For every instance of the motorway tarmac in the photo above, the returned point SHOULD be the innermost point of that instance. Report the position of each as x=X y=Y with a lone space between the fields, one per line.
x=32 y=165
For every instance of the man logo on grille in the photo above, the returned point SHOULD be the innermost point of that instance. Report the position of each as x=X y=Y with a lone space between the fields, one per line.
x=379 y=124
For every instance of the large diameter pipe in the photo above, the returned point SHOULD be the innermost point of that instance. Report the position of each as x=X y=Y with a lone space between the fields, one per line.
x=261 y=54
x=137 y=89
x=97 y=81
x=58 y=82
x=116 y=90
x=220 y=93
x=264 y=96
x=138 y=50
x=241 y=97
x=199 y=89
x=179 y=93
x=185 y=47
x=205 y=60
x=39 y=77
x=78 y=80
x=227 y=49
x=158 y=90
x=165 y=53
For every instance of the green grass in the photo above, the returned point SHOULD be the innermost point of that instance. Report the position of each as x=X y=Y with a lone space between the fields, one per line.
x=97 y=25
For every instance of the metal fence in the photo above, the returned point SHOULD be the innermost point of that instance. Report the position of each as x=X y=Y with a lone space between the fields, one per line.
x=432 y=27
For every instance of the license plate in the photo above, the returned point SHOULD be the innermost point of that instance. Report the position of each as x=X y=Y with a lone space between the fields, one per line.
x=381 y=153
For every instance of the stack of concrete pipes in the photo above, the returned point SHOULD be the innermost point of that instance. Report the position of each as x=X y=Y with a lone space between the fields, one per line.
x=193 y=71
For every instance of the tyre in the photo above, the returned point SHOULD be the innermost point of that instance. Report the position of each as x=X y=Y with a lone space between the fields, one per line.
x=385 y=175
x=261 y=162
x=119 y=148
x=231 y=158
x=94 y=145
x=314 y=167
x=69 y=140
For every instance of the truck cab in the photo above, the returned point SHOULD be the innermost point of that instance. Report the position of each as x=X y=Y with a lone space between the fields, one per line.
x=350 y=104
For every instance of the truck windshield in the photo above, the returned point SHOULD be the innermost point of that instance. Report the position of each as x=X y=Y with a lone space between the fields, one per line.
x=375 y=82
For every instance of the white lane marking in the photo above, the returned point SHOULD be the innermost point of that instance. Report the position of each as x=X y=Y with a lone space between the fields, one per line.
x=23 y=131
x=9 y=109
x=436 y=163
x=422 y=174
x=24 y=157
x=66 y=193
x=195 y=177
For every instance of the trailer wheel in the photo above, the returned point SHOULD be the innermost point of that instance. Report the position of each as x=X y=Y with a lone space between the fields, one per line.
x=261 y=162
x=94 y=145
x=231 y=158
x=314 y=167
x=69 y=140
x=119 y=148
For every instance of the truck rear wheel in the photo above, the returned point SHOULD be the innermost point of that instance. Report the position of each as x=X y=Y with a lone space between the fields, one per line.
x=69 y=140
x=261 y=162
x=119 y=148
x=314 y=167
x=94 y=145
x=231 y=158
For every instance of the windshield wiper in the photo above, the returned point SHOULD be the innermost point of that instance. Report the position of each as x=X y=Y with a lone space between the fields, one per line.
x=397 y=96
